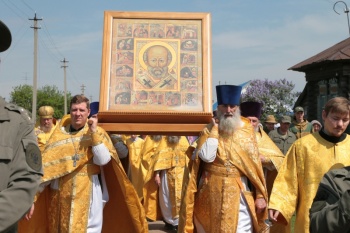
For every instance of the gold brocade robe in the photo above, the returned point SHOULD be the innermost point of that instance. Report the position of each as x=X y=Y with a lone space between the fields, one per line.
x=216 y=203
x=68 y=207
x=43 y=137
x=173 y=160
x=309 y=158
x=273 y=157
x=150 y=189
x=134 y=171
x=41 y=203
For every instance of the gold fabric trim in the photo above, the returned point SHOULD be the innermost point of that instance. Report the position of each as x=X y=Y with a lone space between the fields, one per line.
x=219 y=170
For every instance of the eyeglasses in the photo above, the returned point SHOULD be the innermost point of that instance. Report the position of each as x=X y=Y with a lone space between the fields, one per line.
x=268 y=225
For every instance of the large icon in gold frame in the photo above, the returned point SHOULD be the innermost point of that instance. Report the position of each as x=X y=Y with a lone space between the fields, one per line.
x=156 y=72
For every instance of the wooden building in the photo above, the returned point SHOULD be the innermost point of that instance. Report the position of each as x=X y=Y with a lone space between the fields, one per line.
x=327 y=75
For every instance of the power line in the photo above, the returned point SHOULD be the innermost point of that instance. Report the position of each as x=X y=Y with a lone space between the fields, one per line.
x=51 y=40
x=28 y=6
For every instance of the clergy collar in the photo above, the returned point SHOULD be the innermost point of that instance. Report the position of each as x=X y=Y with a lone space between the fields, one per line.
x=332 y=138
x=72 y=130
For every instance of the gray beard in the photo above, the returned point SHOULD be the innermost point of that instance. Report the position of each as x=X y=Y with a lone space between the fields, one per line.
x=158 y=72
x=45 y=129
x=173 y=140
x=156 y=138
x=228 y=125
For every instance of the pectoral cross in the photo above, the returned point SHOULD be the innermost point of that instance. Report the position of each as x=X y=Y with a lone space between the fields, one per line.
x=75 y=158
x=177 y=159
x=147 y=83
x=165 y=82
x=227 y=165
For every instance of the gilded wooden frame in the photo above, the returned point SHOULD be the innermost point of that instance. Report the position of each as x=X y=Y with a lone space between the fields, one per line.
x=156 y=72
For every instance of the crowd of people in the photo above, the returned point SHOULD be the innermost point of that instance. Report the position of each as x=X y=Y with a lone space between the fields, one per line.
x=236 y=175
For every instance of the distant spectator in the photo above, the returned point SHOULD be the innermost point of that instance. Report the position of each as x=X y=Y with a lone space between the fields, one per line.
x=270 y=123
x=281 y=136
x=300 y=126
x=316 y=125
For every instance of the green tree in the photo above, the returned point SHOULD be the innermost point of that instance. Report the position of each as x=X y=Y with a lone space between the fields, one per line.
x=22 y=95
x=276 y=96
x=47 y=95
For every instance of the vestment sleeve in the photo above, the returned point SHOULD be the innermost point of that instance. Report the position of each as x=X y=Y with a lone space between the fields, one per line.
x=101 y=154
x=285 y=188
x=121 y=149
x=209 y=148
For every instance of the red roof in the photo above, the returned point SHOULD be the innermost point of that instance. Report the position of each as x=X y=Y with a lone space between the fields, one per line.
x=340 y=51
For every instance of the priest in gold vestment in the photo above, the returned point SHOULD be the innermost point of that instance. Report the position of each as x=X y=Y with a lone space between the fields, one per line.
x=47 y=124
x=135 y=145
x=225 y=191
x=308 y=159
x=150 y=188
x=270 y=155
x=171 y=162
x=88 y=189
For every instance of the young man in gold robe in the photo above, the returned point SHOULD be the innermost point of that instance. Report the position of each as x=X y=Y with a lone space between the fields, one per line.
x=86 y=180
x=307 y=160
x=226 y=190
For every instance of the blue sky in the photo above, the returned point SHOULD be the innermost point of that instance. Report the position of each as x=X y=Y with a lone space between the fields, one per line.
x=251 y=39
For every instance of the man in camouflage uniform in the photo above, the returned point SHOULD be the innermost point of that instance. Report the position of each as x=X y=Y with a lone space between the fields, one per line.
x=282 y=137
x=20 y=158
x=330 y=209
x=300 y=126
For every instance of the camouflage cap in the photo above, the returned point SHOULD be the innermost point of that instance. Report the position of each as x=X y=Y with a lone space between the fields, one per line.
x=286 y=119
x=299 y=109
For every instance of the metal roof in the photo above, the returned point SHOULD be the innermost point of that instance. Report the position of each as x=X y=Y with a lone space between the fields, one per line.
x=339 y=51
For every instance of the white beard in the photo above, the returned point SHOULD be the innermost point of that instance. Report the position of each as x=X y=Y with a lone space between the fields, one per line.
x=228 y=125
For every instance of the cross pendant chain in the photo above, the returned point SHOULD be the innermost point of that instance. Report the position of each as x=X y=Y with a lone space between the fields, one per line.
x=75 y=158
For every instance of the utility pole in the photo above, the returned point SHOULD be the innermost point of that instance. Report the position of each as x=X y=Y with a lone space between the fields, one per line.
x=82 y=89
x=64 y=66
x=90 y=98
x=35 y=73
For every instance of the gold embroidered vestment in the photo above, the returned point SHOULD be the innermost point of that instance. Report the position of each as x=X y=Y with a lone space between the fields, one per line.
x=309 y=158
x=216 y=202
